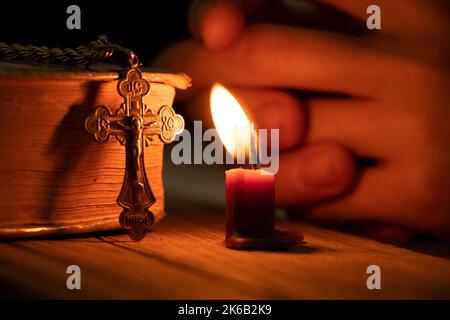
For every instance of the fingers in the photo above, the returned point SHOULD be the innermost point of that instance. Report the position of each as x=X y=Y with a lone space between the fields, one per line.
x=314 y=173
x=369 y=201
x=275 y=109
x=271 y=55
x=355 y=123
x=385 y=233
x=391 y=194
x=417 y=18
x=269 y=109
x=216 y=23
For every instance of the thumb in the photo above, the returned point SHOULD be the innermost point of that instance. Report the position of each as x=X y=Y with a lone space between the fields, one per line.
x=216 y=23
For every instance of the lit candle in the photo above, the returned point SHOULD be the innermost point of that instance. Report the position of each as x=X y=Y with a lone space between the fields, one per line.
x=250 y=192
x=250 y=202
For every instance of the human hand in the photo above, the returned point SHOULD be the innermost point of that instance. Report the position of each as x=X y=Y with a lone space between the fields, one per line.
x=391 y=106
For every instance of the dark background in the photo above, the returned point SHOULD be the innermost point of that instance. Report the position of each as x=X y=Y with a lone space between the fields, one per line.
x=143 y=26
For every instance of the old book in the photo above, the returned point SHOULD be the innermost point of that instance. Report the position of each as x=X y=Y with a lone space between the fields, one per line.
x=55 y=178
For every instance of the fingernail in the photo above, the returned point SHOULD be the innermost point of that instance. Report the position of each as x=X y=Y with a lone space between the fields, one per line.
x=267 y=116
x=285 y=114
x=197 y=12
x=318 y=170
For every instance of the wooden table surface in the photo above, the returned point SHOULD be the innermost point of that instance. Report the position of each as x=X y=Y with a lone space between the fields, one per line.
x=183 y=258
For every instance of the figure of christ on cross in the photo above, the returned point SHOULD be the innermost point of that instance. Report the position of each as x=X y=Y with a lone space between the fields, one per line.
x=136 y=195
x=134 y=125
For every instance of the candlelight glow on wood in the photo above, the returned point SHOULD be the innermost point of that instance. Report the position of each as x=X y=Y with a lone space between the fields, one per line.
x=250 y=192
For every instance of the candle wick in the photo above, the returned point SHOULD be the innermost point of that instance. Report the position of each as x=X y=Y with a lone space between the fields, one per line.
x=254 y=143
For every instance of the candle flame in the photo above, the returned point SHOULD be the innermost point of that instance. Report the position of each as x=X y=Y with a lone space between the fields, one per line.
x=232 y=124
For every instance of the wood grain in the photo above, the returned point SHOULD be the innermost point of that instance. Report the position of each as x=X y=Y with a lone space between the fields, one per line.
x=55 y=177
x=183 y=258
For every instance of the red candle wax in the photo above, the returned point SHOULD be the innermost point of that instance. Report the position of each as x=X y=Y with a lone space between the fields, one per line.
x=250 y=202
x=251 y=212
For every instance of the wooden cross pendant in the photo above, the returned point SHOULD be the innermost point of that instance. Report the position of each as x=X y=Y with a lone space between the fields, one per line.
x=134 y=126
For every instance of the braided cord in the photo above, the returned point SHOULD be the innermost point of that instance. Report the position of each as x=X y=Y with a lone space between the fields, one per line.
x=96 y=51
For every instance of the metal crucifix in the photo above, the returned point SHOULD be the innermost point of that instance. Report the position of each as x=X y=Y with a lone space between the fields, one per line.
x=134 y=125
